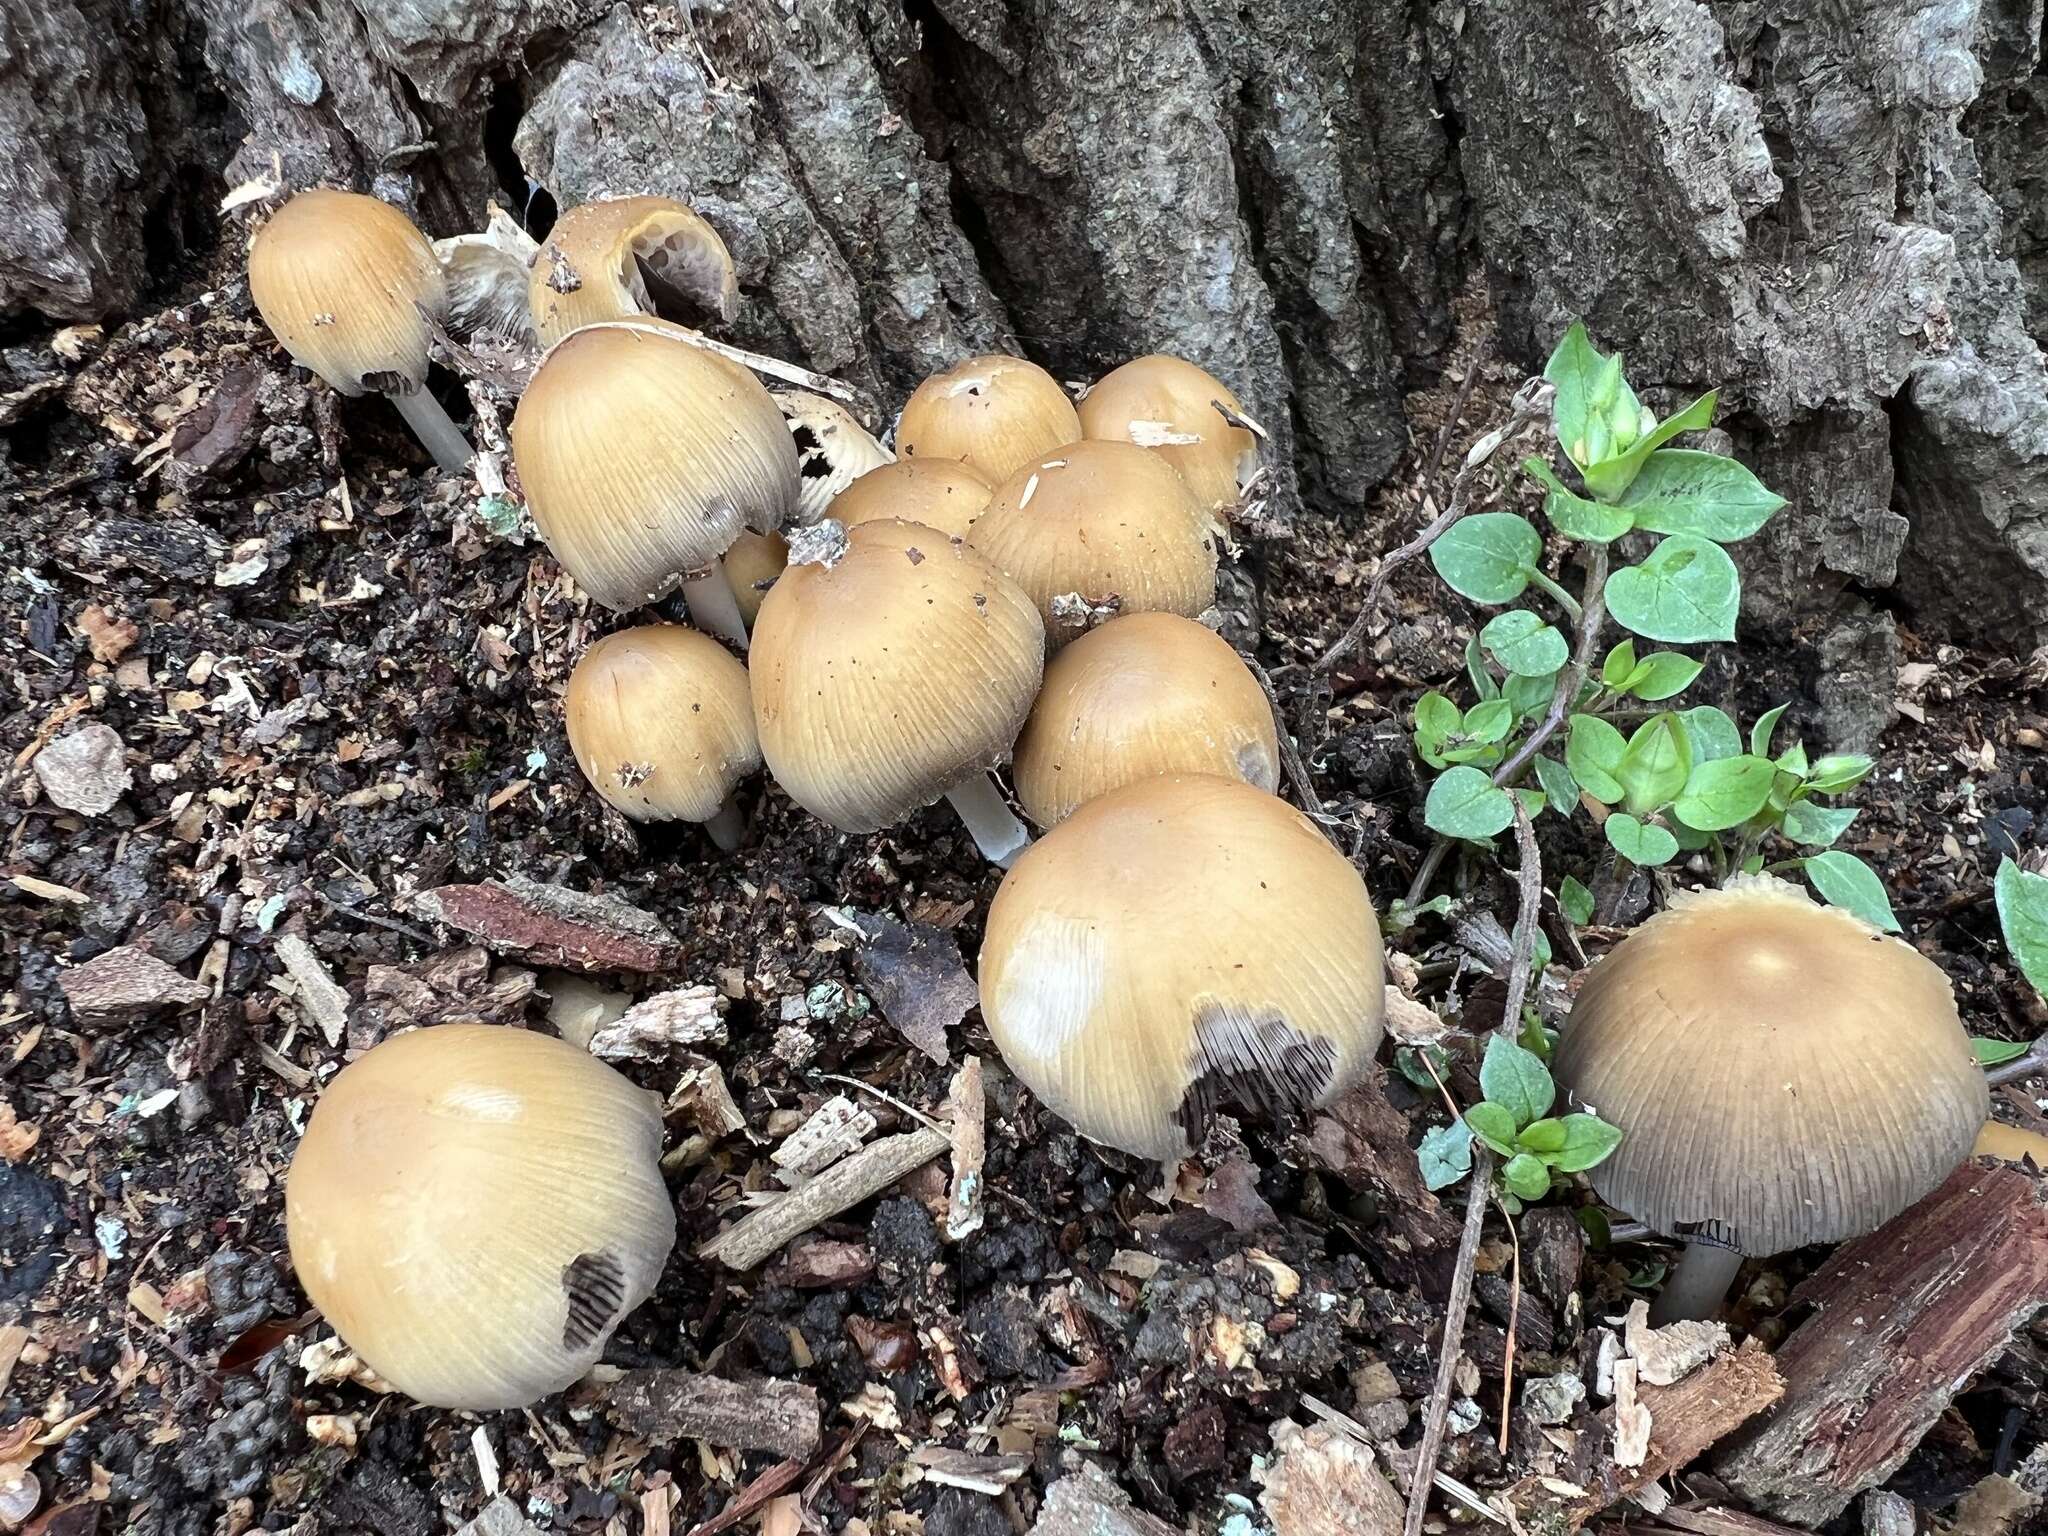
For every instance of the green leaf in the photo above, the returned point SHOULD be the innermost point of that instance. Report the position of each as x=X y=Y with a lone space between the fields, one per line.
x=1493 y=1124
x=1410 y=1060
x=1533 y=801
x=1445 y=1155
x=1525 y=1176
x=1724 y=793
x=1488 y=556
x=1815 y=826
x=1845 y=881
x=1574 y=371
x=1558 y=786
x=1832 y=774
x=1679 y=490
x=1991 y=1053
x=1593 y=752
x=1534 y=1037
x=1663 y=674
x=1521 y=642
x=1640 y=842
x=1765 y=728
x=1753 y=865
x=1516 y=1079
x=1793 y=760
x=1619 y=665
x=1476 y=669
x=2023 y=915
x=1574 y=516
x=1656 y=765
x=1489 y=722
x=1542 y=1137
x=1593 y=1221
x=1575 y=901
x=1529 y=696
x=1712 y=734
x=1436 y=721
x=1587 y=1142
x=1611 y=480
x=1686 y=591
x=1464 y=803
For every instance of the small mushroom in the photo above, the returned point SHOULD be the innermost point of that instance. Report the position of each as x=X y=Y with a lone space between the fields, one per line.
x=1144 y=694
x=341 y=280
x=2010 y=1144
x=994 y=413
x=1170 y=406
x=1108 y=523
x=643 y=458
x=751 y=565
x=893 y=666
x=1175 y=944
x=940 y=493
x=475 y=1207
x=627 y=256
x=661 y=725
x=832 y=449
x=487 y=278
x=1782 y=1074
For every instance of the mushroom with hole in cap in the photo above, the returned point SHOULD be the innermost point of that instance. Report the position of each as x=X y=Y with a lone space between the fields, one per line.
x=475 y=1207
x=1175 y=944
x=832 y=449
x=661 y=725
x=1171 y=406
x=893 y=666
x=940 y=493
x=1146 y=693
x=993 y=413
x=626 y=256
x=1782 y=1074
x=341 y=280
x=1100 y=527
x=643 y=458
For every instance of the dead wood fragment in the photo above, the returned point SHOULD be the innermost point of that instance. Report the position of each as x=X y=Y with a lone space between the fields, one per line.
x=500 y=1517
x=1363 y=1139
x=914 y=974
x=1089 y=1503
x=969 y=1111
x=1711 y=1520
x=324 y=1001
x=823 y=1262
x=876 y=1166
x=553 y=925
x=963 y=1469
x=663 y=1406
x=1907 y=1317
x=125 y=983
x=650 y=1029
x=1322 y=1482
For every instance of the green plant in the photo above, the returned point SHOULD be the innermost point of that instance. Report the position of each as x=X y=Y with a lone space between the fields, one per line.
x=1514 y=1122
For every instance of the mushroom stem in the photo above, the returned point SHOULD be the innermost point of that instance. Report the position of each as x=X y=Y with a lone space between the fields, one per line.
x=728 y=827
x=430 y=424
x=996 y=831
x=1698 y=1286
x=712 y=606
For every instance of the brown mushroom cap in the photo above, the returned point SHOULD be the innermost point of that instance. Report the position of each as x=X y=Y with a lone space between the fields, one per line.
x=752 y=565
x=474 y=1208
x=832 y=449
x=1109 y=522
x=888 y=675
x=940 y=493
x=1146 y=693
x=1180 y=941
x=628 y=256
x=661 y=723
x=993 y=413
x=644 y=457
x=340 y=278
x=1782 y=1073
x=1166 y=404
x=2010 y=1144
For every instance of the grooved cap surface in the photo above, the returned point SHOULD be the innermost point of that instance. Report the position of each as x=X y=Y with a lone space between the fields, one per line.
x=626 y=256
x=993 y=413
x=1161 y=402
x=940 y=493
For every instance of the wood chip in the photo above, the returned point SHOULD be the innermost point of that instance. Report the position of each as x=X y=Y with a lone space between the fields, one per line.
x=1632 y=1422
x=324 y=1001
x=963 y=1469
x=664 y=1406
x=553 y=925
x=659 y=1026
x=85 y=770
x=500 y=1517
x=836 y=1129
x=875 y=1167
x=48 y=890
x=1088 y=1503
x=968 y=1104
x=125 y=983
x=1322 y=1482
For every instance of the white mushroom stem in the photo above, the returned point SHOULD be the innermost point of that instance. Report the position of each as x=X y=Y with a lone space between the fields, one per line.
x=430 y=424
x=1698 y=1286
x=728 y=827
x=994 y=827
x=713 y=609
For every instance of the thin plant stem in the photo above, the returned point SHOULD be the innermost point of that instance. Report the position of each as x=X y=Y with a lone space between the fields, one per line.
x=1507 y=1362
x=1290 y=752
x=1557 y=594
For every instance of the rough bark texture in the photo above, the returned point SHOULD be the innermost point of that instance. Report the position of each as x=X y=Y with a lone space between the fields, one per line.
x=1840 y=214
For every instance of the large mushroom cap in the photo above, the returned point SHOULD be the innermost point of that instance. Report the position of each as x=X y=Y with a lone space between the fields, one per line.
x=1782 y=1073
x=993 y=413
x=832 y=449
x=660 y=722
x=1110 y=523
x=474 y=1208
x=1170 y=406
x=1146 y=693
x=340 y=280
x=644 y=457
x=1178 y=942
x=627 y=256
x=888 y=674
x=940 y=493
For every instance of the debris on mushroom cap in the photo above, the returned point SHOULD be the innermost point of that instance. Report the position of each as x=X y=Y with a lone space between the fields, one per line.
x=660 y=722
x=487 y=278
x=340 y=279
x=1147 y=693
x=475 y=1207
x=993 y=413
x=1180 y=942
x=940 y=493
x=1168 y=405
x=643 y=458
x=1782 y=1073
x=629 y=256
x=832 y=449
x=751 y=565
x=1104 y=521
x=884 y=679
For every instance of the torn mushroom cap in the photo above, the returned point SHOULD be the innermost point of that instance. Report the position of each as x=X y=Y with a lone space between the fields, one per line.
x=1180 y=942
x=992 y=413
x=887 y=676
x=628 y=256
x=1169 y=405
x=644 y=457
x=475 y=1208
x=752 y=565
x=832 y=449
x=487 y=277
x=660 y=722
x=341 y=279
x=1144 y=694
x=1108 y=522
x=1782 y=1073
x=940 y=493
